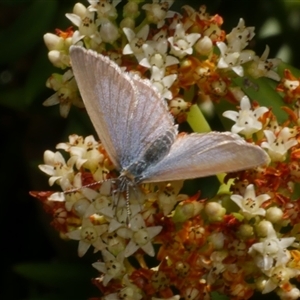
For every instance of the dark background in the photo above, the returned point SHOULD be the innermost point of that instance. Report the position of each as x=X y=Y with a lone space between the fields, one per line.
x=35 y=262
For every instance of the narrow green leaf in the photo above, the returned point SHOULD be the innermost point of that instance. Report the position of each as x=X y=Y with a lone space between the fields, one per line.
x=196 y=120
x=56 y=274
x=296 y=192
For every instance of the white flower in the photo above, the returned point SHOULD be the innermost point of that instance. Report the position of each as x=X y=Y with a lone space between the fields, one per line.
x=250 y=203
x=129 y=292
x=231 y=59
x=216 y=265
x=66 y=92
x=104 y=8
x=112 y=267
x=240 y=36
x=119 y=216
x=56 y=166
x=156 y=55
x=160 y=35
x=85 y=151
x=157 y=12
x=182 y=43
x=136 y=41
x=212 y=31
x=85 y=21
x=168 y=196
x=73 y=197
x=89 y=234
x=264 y=67
x=278 y=277
x=177 y=106
x=273 y=126
x=271 y=251
x=193 y=14
x=99 y=203
x=246 y=119
x=292 y=294
x=279 y=145
x=162 y=83
x=140 y=236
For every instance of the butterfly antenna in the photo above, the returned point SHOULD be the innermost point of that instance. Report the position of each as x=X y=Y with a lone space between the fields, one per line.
x=85 y=186
x=128 y=204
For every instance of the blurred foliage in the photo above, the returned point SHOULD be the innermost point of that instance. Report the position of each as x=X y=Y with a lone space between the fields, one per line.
x=36 y=263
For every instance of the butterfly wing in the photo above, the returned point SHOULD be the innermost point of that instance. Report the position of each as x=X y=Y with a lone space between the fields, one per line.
x=127 y=113
x=199 y=155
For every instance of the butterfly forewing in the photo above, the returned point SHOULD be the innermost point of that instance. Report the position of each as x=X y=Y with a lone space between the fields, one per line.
x=127 y=113
x=200 y=155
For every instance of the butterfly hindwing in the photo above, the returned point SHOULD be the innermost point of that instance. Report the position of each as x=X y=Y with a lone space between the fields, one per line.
x=199 y=155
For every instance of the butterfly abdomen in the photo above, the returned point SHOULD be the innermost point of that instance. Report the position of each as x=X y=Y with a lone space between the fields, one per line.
x=156 y=151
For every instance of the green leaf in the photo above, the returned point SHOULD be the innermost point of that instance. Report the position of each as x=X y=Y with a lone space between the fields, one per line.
x=296 y=192
x=217 y=296
x=56 y=274
x=282 y=66
x=208 y=186
x=27 y=30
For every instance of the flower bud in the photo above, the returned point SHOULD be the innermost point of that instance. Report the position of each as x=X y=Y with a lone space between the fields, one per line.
x=57 y=59
x=215 y=211
x=264 y=228
x=245 y=231
x=187 y=210
x=79 y=9
x=127 y=23
x=53 y=42
x=274 y=214
x=109 y=32
x=204 y=46
x=81 y=206
x=260 y=283
x=131 y=10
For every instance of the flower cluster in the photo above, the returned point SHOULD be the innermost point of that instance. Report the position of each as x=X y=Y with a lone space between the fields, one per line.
x=246 y=238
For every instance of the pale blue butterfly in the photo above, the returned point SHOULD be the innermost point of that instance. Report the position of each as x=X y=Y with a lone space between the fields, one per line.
x=139 y=134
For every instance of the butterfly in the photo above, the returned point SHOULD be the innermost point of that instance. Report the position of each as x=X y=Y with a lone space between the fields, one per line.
x=139 y=134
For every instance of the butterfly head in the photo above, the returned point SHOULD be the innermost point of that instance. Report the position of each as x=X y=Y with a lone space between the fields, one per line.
x=126 y=180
